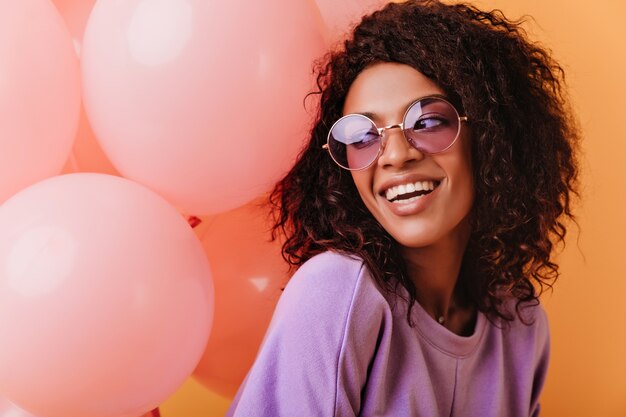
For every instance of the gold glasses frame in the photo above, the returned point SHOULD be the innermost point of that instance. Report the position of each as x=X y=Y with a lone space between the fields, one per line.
x=382 y=130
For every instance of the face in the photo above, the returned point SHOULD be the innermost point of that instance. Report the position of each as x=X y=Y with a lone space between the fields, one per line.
x=415 y=219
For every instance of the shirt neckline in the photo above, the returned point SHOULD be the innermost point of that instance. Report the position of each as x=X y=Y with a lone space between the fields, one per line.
x=445 y=340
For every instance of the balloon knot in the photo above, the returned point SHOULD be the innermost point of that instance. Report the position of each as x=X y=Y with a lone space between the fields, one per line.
x=193 y=221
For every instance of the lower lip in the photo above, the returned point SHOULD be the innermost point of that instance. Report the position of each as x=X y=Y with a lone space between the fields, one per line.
x=414 y=207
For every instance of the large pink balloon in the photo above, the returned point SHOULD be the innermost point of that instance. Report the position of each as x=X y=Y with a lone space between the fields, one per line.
x=105 y=298
x=201 y=100
x=87 y=155
x=249 y=272
x=339 y=16
x=75 y=13
x=8 y=409
x=39 y=93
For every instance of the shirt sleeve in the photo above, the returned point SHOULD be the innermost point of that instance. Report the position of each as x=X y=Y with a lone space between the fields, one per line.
x=315 y=355
x=543 y=356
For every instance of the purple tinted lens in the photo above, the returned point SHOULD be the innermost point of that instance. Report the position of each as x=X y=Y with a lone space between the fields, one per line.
x=431 y=125
x=354 y=141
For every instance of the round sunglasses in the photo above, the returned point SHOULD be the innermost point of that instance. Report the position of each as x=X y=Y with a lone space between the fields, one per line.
x=431 y=125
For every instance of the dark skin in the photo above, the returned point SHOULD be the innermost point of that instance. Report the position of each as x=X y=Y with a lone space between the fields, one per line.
x=435 y=274
x=524 y=140
x=433 y=231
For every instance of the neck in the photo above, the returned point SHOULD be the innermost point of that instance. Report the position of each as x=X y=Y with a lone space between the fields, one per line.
x=434 y=270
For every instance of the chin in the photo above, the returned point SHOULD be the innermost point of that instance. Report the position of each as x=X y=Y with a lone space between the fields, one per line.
x=429 y=233
x=414 y=238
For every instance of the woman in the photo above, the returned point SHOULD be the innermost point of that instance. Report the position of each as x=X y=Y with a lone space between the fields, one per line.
x=422 y=215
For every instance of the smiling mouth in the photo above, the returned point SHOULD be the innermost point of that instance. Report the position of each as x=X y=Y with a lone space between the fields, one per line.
x=407 y=193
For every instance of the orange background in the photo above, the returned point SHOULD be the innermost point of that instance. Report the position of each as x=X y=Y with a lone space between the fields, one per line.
x=587 y=309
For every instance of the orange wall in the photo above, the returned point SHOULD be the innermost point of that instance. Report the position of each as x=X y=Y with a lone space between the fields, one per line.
x=587 y=310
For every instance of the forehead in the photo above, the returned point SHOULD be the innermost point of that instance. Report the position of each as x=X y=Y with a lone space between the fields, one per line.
x=385 y=89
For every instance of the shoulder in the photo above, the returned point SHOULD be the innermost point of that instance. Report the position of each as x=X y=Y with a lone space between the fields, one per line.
x=536 y=319
x=529 y=314
x=315 y=356
x=329 y=284
x=329 y=265
x=530 y=324
x=328 y=278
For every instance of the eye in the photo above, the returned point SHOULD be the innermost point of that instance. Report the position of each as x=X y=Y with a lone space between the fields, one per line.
x=430 y=122
x=365 y=139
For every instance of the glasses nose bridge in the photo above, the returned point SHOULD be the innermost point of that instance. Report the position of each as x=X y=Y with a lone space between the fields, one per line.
x=384 y=129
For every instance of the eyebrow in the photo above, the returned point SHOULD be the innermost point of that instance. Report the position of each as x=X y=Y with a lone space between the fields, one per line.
x=373 y=116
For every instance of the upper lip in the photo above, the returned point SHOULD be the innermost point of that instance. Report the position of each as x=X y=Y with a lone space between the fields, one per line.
x=404 y=179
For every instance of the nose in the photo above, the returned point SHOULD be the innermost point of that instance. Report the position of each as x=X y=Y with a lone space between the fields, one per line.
x=397 y=151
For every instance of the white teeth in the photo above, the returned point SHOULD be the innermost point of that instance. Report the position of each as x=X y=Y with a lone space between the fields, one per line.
x=389 y=194
x=397 y=190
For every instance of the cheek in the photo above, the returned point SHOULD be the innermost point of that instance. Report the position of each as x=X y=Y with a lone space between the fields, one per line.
x=464 y=178
x=364 y=183
x=465 y=191
x=466 y=196
x=459 y=166
x=468 y=175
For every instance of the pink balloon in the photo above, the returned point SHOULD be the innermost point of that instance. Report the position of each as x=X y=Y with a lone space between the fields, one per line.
x=339 y=16
x=249 y=272
x=105 y=298
x=75 y=13
x=39 y=93
x=201 y=100
x=87 y=154
x=8 y=409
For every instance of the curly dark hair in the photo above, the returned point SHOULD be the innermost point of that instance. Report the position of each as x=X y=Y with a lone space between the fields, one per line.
x=524 y=143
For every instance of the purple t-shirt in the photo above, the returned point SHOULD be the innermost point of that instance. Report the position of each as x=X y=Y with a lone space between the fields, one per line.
x=337 y=347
